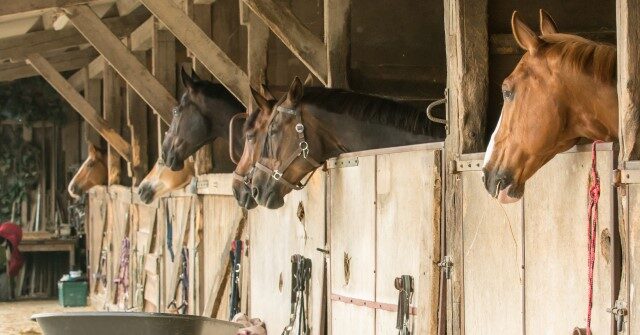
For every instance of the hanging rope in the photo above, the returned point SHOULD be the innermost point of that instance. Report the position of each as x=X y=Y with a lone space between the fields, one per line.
x=300 y=290
x=592 y=224
x=167 y=218
x=123 y=270
x=184 y=284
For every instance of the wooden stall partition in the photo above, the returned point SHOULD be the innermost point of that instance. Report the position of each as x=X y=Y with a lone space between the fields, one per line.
x=119 y=199
x=493 y=257
x=144 y=264
x=385 y=222
x=275 y=235
x=97 y=244
x=629 y=223
x=545 y=234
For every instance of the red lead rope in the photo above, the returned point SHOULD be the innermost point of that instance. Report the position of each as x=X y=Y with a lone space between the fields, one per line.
x=592 y=224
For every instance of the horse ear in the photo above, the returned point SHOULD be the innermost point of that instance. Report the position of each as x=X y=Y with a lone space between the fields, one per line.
x=547 y=24
x=267 y=93
x=525 y=37
x=187 y=81
x=296 y=91
x=260 y=100
x=309 y=81
x=92 y=150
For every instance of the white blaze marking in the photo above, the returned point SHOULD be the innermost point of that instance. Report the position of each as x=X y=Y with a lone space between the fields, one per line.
x=489 y=152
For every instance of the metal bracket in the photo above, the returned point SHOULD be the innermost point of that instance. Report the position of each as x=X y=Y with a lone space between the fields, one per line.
x=472 y=165
x=628 y=176
x=346 y=162
x=446 y=264
x=619 y=311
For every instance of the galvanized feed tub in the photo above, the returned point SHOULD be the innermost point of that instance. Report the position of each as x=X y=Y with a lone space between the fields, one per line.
x=123 y=323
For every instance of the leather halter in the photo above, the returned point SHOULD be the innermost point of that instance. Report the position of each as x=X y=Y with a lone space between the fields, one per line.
x=301 y=151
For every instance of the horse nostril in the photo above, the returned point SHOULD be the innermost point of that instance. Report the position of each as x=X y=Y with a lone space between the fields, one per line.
x=254 y=192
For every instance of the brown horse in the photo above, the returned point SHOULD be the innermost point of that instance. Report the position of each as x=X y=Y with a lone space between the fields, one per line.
x=162 y=180
x=563 y=90
x=91 y=173
x=310 y=125
x=253 y=130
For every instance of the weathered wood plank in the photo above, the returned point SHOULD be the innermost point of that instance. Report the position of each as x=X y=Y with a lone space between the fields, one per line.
x=213 y=58
x=137 y=122
x=628 y=36
x=125 y=63
x=112 y=106
x=93 y=94
x=466 y=40
x=141 y=38
x=16 y=7
x=163 y=62
x=18 y=47
x=67 y=61
x=337 y=18
x=92 y=71
x=303 y=43
x=80 y=105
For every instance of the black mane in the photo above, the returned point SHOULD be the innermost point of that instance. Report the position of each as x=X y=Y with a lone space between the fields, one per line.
x=370 y=108
x=217 y=91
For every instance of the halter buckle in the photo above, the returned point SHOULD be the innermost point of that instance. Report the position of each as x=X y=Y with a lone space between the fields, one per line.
x=277 y=175
x=304 y=146
x=299 y=128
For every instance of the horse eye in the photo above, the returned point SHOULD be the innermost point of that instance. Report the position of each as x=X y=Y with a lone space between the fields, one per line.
x=507 y=95
x=176 y=111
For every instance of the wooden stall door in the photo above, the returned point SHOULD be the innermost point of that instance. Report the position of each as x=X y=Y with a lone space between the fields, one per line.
x=118 y=217
x=275 y=235
x=352 y=217
x=630 y=208
x=492 y=248
x=97 y=227
x=177 y=214
x=408 y=205
x=555 y=207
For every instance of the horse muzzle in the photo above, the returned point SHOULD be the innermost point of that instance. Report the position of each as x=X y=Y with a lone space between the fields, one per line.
x=501 y=186
x=146 y=193
x=242 y=193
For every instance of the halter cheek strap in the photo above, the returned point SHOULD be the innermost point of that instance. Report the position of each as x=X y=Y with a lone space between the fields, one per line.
x=301 y=151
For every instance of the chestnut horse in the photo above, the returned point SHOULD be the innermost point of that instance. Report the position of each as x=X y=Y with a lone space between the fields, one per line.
x=310 y=125
x=253 y=127
x=91 y=173
x=203 y=115
x=162 y=180
x=563 y=90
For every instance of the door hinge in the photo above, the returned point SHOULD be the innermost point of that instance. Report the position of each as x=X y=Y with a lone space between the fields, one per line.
x=619 y=311
x=446 y=264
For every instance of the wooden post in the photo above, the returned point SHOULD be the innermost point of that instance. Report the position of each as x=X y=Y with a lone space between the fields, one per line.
x=163 y=64
x=466 y=40
x=93 y=95
x=66 y=90
x=137 y=122
x=112 y=86
x=337 y=16
x=257 y=44
x=201 y=15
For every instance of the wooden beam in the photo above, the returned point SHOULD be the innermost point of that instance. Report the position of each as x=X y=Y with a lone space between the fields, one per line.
x=163 y=65
x=112 y=103
x=127 y=6
x=628 y=34
x=466 y=40
x=137 y=122
x=210 y=54
x=93 y=94
x=141 y=37
x=63 y=62
x=92 y=71
x=18 y=47
x=101 y=10
x=257 y=46
x=302 y=42
x=16 y=7
x=337 y=18
x=49 y=73
x=126 y=64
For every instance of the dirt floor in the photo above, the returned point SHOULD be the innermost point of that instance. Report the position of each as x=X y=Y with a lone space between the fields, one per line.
x=14 y=316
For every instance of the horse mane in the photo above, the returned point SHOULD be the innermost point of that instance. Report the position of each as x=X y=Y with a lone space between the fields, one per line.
x=371 y=108
x=594 y=59
x=216 y=91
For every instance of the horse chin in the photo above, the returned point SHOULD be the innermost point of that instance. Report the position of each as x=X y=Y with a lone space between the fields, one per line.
x=274 y=201
x=506 y=195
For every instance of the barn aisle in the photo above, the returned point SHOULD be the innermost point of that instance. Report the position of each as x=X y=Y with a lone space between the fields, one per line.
x=15 y=315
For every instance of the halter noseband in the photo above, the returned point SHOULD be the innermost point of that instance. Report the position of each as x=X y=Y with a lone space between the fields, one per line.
x=301 y=151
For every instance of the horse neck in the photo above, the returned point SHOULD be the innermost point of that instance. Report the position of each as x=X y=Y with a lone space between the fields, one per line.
x=340 y=133
x=220 y=114
x=595 y=110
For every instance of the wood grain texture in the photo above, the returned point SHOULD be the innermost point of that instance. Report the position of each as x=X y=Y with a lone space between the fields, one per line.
x=337 y=19
x=628 y=50
x=112 y=107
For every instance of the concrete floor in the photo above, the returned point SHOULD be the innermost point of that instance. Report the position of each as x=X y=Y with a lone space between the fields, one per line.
x=15 y=316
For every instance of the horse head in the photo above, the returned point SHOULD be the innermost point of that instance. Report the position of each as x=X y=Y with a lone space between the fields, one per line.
x=91 y=173
x=562 y=90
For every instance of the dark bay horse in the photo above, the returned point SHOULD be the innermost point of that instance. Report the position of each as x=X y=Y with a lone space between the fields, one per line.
x=203 y=115
x=563 y=90
x=92 y=172
x=310 y=125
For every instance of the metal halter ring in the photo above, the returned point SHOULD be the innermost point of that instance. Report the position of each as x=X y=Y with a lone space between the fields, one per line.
x=304 y=146
x=277 y=175
x=299 y=128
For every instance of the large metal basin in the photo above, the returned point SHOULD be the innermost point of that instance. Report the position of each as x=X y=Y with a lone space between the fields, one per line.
x=123 y=323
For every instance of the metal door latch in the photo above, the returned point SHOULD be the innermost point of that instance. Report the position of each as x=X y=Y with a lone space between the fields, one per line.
x=446 y=264
x=619 y=311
